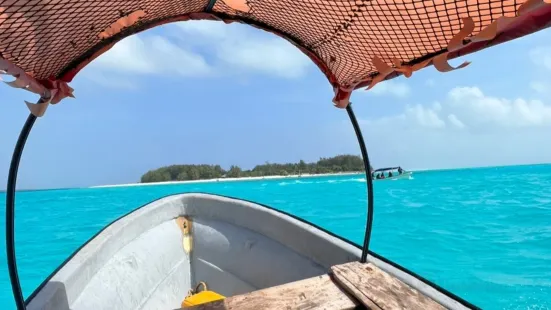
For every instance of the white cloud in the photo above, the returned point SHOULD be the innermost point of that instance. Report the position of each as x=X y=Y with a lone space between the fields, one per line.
x=477 y=110
x=390 y=87
x=270 y=57
x=198 y=49
x=455 y=121
x=152 y=55
x=539 y=87
x=207 y=29
x=243 y=47
x=470 y=108
x=110 y=81
x=466 y=128
x=424 y=117
x=541 y=56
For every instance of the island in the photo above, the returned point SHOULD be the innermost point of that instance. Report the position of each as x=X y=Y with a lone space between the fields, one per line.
x=336 y=164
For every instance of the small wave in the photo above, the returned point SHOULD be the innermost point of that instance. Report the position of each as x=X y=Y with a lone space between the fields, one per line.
x=295 y=182
x=411 y=204
x=322 y=182
x=341 y=181
x=511 y=280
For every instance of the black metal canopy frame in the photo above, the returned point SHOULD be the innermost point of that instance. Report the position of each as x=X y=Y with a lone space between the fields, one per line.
x=368 y=179
x=12 y=182
x=385 y=169
x=10 y=211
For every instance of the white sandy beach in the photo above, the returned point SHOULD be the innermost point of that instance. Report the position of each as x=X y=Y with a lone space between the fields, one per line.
x=271 y=177
x=282 y=177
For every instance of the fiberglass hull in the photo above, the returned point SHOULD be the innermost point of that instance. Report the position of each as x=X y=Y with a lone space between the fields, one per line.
x=405 y=175
x=140 y=261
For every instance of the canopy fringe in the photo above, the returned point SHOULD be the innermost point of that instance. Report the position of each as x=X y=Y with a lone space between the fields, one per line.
x=53 y=90
x=460 y=41
x=50 y=91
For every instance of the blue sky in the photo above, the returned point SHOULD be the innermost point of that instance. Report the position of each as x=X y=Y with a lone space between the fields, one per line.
x=206 y=92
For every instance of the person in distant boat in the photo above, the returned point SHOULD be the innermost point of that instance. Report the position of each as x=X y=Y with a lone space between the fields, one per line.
x=390 y=174
x=400 y=170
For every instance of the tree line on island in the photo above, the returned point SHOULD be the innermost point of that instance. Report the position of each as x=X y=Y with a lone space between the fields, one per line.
x=337 y=164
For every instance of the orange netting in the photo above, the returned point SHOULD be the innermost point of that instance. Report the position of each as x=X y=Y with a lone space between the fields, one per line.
x=356 y=43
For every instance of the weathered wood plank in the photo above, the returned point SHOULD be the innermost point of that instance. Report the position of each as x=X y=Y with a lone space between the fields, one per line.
x=312 y=294
x=376 y=288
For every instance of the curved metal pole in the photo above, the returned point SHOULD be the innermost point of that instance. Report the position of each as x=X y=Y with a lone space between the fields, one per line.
x=369 y=180
x=12 y=181
x=10 y=212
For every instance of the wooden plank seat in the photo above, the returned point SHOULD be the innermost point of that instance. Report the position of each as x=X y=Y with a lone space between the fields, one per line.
x=376 y=289
x=347 y=286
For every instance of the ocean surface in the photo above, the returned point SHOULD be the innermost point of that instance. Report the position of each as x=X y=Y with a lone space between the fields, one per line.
x=484 y=234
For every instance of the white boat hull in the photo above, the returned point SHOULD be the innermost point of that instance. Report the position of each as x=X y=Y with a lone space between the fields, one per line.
x=139 y=261
x=405 y=175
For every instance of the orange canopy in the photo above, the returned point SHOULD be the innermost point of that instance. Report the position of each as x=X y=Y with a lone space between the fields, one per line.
x=356 y=43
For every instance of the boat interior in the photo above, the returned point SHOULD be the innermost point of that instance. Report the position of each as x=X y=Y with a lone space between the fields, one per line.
x=159 y=252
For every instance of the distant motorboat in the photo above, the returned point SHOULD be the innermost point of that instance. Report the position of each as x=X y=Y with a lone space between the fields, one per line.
x=391 y=173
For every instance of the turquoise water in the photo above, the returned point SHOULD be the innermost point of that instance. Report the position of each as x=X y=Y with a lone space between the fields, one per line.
x=484 y=234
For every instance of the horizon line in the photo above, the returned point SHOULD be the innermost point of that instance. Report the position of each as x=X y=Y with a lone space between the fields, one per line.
x=313 y=175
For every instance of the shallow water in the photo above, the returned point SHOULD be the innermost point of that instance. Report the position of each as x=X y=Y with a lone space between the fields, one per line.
x=484 y=234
